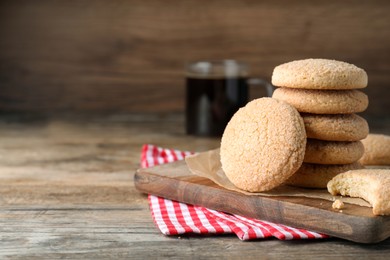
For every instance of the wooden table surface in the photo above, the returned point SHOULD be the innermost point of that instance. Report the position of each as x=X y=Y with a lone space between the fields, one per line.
x=66 y=191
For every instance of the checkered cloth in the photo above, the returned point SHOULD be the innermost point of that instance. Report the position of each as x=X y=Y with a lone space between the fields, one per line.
x=176 y=218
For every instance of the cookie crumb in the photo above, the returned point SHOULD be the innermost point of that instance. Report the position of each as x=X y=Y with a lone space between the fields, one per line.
x=338 y=204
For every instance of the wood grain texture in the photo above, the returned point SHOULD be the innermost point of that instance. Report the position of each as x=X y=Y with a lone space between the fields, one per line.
x=355 y=223
x=122 y=56
x=67 y=191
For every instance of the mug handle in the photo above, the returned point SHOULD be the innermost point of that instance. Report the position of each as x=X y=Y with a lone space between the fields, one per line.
x=261 y=82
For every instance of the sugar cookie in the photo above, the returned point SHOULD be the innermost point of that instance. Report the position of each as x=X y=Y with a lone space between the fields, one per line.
x=369 y=184
x=312 y=175
x=319 y=74
x=323 y=101
x=263 y=145
x=376 y=150
x=348 y=127
x=330 y=152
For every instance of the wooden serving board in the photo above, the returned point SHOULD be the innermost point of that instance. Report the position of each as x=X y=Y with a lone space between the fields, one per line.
x=174 y=181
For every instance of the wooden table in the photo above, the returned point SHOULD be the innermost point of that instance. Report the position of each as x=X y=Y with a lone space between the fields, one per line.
x=67 y=191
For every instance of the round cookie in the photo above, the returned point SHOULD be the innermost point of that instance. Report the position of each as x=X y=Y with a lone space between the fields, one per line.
x=263 y=145
x=376 y=150
x=371 y=185
x=323 y=101
x=317 y=175
x=319 y=74
x=329 y=152
x=346 y=127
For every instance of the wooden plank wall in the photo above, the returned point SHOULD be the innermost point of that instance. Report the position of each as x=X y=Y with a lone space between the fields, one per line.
x=128 y=56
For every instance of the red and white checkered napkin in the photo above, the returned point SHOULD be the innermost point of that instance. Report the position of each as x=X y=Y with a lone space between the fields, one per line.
x=175 y=218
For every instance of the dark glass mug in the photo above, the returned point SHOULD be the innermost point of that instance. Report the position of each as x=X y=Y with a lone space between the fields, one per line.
x=215 y=90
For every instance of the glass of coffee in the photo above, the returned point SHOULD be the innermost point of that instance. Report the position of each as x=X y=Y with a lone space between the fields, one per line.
x=215 y=91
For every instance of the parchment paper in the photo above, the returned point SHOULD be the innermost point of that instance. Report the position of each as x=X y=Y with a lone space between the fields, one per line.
x=208 y=165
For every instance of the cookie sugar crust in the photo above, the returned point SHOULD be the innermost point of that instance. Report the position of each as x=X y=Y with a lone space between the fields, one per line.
x=263 y=145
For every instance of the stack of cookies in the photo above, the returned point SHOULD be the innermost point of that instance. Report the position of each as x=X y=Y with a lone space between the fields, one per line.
x=326 y=94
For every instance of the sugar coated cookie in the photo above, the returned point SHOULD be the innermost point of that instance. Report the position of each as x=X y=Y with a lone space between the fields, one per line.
x=376 y=150
x=347 y=127
x=319 y=74
x=330 y=152
x=263 y=145
x=372 y=185
x=323 y=101
x=318 y=175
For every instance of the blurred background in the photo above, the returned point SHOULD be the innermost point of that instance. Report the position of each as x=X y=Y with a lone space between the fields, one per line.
x=99 y=57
